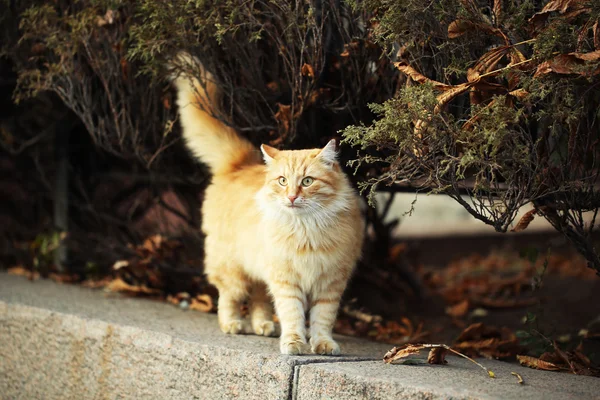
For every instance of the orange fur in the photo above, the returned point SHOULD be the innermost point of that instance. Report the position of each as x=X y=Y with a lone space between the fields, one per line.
x=256 y=241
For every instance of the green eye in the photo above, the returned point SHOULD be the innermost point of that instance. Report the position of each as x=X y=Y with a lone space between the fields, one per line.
x=307 y=181
x=282 y=181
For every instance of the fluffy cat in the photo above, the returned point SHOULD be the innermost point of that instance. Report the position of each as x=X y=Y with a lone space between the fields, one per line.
x=290 y=227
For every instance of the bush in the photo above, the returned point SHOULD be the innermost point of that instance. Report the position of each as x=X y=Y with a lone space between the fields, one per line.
x=499 y=102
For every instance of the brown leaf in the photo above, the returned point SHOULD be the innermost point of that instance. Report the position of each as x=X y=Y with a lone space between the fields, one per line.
x=490 y=60
x=448 y=95
x=437 y=355
x=571 y=63
x=63 y=278
x=418 y=77
x=525 y=221
x=119 y=285
x=458 y=310
x=497 y=10
x=561 y=6
x=520 y=94
x=202 y=302
x=284 y=118
x=307 y=70
x=398 y=353
x=536 y=363
x=460 y=27
x=22 y=271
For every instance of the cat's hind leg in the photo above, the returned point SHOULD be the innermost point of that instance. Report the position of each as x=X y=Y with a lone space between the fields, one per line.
x=261 y=310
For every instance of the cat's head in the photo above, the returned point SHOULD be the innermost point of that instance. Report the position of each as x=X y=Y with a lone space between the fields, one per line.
x=304 y=181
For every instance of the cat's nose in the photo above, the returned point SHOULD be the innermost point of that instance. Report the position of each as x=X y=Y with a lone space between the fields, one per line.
x=292 y=198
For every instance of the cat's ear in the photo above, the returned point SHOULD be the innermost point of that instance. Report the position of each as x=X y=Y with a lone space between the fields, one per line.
x=329 y=153
x=269 y=153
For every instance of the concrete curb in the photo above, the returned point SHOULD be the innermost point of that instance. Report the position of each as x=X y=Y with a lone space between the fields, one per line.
x=66 y=342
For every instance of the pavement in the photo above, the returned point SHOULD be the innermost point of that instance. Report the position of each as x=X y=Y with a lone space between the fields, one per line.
x=60 y=341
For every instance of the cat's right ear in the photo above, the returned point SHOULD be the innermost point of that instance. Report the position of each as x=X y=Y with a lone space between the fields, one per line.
x=268 y=152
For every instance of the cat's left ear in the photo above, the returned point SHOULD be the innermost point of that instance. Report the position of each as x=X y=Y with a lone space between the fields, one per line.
x=329 y=153
x=268 y=152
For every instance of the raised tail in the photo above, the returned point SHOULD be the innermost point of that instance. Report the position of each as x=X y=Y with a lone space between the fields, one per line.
x=208 y=138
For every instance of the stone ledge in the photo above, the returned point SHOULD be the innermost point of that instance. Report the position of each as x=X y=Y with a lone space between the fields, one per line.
x=459 y=379
x=66 y=342
x=63 y=341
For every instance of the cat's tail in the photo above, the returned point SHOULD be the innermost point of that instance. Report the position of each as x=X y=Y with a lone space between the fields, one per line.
x=208 y=138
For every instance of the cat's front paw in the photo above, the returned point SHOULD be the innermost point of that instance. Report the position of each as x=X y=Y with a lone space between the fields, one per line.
x=264 y=328
x=325 y=346
x=292 y=345
x=233 y=327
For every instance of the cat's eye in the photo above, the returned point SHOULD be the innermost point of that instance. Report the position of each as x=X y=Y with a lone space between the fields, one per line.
x=307 y=181
x=282 y=181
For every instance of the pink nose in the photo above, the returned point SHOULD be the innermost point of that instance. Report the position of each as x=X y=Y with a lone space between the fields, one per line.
x=292 y=198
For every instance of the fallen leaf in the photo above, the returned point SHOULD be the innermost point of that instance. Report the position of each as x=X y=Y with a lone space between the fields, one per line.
x=202 y=302
x=437 y=355
x=536 y=363
x=119 y=285
x=458 y=310
x=398 y=353
x=21 y=271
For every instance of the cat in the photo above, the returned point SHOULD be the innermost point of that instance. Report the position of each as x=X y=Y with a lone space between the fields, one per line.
x=289 y=228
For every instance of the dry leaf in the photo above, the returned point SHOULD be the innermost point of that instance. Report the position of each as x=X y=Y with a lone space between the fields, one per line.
x=21 y=271
x=536 y=363
x=437 y=355
x=202 y=302
x=307 y=70
x=398 y=353
x=571 y=63
x=561 y=6
x=497 y=10
x=460 y=27
x=490 y=60
x=525 y=221
x=284 y=117
x=119 y=285
x=458 y=310
x=418 y=77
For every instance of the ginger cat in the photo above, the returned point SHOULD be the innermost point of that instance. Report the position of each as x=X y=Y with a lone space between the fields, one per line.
x=290 y=227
